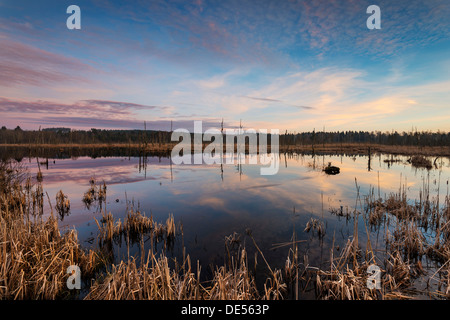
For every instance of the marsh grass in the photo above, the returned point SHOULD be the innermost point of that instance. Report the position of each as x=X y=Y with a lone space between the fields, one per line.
x=415 y=232
x=158 y=278
x=95 y=194
x=134 y=228
x=35 y=253
x=154 y=280
x=420 y=161
x=62 y=204
x=316 y=226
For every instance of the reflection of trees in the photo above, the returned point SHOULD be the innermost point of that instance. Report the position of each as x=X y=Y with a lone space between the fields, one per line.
x=19 y=153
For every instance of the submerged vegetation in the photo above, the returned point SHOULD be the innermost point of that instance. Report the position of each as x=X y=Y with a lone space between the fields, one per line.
x=95 y=194
x=420 y=161
x=329 y=169
x=35 y=252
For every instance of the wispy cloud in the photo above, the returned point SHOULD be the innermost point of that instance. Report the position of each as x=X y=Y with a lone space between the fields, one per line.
x=118 y=105
x=93 y=107
x=97 y=114
x=25 y=64
x=262 y=99
x=342 y=98
x=289 y=64
x=278 y=101
x=93 y=122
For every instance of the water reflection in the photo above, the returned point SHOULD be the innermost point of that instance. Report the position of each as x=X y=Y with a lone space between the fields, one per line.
x=214 y=201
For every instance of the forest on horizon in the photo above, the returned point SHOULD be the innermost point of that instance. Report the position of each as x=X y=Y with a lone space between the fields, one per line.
x=97 y=136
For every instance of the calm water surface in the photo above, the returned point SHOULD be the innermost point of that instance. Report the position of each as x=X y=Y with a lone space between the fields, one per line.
x=212 y=204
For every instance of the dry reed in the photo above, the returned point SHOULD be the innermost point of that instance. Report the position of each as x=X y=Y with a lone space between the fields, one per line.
x=34 y=254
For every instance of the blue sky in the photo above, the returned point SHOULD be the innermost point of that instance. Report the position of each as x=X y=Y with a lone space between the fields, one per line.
x=288 y=65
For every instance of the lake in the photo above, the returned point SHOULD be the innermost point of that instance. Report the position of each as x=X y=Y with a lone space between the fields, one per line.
x=212 y=202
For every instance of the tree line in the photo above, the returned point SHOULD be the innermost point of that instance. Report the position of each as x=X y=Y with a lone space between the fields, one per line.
x=413 y=138
x=95 y=136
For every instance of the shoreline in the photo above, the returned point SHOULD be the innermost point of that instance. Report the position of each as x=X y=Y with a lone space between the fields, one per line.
x=351 y=148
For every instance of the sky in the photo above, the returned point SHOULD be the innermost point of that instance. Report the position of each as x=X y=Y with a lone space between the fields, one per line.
x=285 y=64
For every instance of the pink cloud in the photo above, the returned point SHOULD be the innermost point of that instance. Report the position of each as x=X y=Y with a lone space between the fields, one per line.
x=24 y=64
x=94 y=107
x=86 y=114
